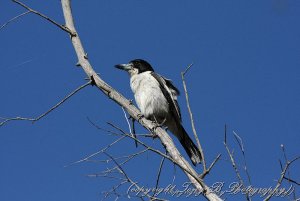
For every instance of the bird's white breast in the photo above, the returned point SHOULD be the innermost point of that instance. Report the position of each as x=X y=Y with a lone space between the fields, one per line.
x=148 y=95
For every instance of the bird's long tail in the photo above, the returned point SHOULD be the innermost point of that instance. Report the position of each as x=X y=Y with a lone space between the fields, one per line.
x=190 y=147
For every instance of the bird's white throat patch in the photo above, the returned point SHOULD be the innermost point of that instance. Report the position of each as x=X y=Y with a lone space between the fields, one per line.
x=133 y=71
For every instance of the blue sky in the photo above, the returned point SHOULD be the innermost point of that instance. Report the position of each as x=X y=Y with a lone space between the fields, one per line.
x=246 y=74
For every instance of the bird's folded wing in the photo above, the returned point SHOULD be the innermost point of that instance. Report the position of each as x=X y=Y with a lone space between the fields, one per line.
x=170 y=92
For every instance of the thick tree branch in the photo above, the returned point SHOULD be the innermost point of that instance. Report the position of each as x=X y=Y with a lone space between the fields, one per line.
x=132 y=110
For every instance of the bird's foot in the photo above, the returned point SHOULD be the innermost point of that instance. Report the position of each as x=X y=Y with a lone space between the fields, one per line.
x=156 y=125
x=140 y=116
x=159 y=124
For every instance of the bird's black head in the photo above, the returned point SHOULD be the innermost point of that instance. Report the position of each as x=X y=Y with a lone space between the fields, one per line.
x=141 y=65
x=135 y=66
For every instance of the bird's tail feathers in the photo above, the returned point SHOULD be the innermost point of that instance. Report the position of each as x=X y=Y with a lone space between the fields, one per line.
x=190 y=147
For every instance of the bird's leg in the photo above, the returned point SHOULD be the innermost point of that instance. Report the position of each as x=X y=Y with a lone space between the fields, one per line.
x=157 y=124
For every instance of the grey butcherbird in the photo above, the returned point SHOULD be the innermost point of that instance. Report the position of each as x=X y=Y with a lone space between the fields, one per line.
x=156 y=97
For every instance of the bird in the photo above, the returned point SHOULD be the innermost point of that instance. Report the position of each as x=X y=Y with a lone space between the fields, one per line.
x=156 y=97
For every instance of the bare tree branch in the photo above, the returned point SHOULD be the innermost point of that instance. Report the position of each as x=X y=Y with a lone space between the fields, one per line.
x=207 y=171
x=44 y=17
x=127 y=159
x=129 y=127
x=159 y=171
x=98 y=152
x=198 y=179
x=284 y=171
x=291 y=180
x=124 y=134
x=233 y=163
x=145 y=145
x=191 y=116
x=14 y=18
x=241 y=145
x=100 y=128
x=128 y=179
x=288 y=171
x=6 y=120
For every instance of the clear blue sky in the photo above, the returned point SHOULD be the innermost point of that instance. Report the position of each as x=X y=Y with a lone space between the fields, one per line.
x=246 y=73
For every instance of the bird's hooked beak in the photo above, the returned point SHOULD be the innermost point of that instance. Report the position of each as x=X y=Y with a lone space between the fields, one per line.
x=125 y=67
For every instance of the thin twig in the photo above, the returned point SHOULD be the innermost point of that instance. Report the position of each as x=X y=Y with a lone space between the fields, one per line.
x=159 y=172
x=284 y=171
x=114 y=191
x=100 y=128
x=6 y=120
x=241 y=145
x=142 y=143
x=128 y=158
x=207 y=171
x=187 y=69
x=288 y=171
x=45 y=17
x=122 y=171
x=233 y=163
x=14 y=18
x=191 y=116
x=129 y=127
x=291 y=180
x=96 y=153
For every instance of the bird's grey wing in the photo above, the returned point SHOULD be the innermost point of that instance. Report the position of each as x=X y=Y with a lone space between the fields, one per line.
x=170 y=85
x=170 y=92
x=175 y=92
